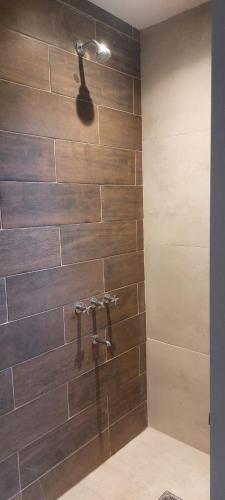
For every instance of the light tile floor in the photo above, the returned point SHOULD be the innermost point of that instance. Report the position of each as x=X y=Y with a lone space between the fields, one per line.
x=149 y=465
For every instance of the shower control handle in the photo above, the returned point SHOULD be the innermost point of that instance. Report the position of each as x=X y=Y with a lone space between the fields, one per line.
x=96 y=303
x=81 y=308
x=110 y=299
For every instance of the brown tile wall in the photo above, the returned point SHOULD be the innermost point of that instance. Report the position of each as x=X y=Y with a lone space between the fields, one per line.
x=70 y=227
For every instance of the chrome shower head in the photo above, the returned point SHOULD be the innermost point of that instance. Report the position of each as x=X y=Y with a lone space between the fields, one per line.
x=102 y=51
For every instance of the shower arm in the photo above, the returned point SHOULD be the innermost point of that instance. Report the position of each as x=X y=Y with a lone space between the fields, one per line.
x=81 y=47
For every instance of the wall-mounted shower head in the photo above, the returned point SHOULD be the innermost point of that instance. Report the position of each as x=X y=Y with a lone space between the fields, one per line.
x=102 y=51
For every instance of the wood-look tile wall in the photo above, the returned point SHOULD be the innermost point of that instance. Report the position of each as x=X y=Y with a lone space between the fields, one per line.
x=70 y=227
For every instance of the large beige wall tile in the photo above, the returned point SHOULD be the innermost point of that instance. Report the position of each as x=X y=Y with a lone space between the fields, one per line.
x=188 y=229
x=176 y=174
x=178 y=295
x=179 y=393
x=176 y=74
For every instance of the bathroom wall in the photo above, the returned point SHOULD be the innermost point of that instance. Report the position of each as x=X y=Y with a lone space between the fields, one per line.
x=71 y=228
x=176 y=74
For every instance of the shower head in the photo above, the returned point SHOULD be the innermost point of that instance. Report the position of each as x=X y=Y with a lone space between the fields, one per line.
x=102 y=51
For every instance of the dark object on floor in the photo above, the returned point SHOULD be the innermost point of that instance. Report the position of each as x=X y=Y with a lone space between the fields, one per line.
x=168 y=496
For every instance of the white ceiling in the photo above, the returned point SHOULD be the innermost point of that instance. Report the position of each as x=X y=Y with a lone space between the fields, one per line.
x=143 y=13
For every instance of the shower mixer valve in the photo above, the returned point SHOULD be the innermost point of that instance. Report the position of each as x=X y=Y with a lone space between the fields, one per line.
x=81 y=308
x=110 y=299
x=96 y=303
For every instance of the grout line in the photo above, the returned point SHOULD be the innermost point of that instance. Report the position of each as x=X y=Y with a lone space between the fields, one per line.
x=39 y=136
x=85 y=184
x=97 y=20
x=73 y=53
x=64 y=305
x=133 y=96
x=96 y=436
x=128 y=413
x=134 y=251
x=71 y=98
x=178 y=347
x=70 y=380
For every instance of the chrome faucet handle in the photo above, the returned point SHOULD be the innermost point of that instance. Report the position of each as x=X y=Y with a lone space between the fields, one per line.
x=80 y=308
x=110 y=299
x=96 y=303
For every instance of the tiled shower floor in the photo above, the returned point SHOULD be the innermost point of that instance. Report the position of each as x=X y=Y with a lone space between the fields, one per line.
x=149 y=465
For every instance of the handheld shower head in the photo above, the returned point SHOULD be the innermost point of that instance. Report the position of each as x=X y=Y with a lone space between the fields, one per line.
x=102 y=51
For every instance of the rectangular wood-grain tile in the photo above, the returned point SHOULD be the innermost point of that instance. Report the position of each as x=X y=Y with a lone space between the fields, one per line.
x=38 y=376
x=139 y=176
x=46 y=114
x=143 y=366
x=126 y=334
x=43 y=204
x=35 y=292
x=47 y=20
x=119 y=129
x=140 y=235
x=121 y=202
x=9 y=477
x=137 y=96
x=29 y=337
x=136 y=34
x=141 y=297
x=128 y=427
x=122 y=270
x=128 y=398
x=3 y=303
x=92 y=164
x=29 y=422
x=92 y=241
x=80 y=325
x=41 y=456
x=125 y=52
x=106 y=379
x=23 y=60
x=6 y=392
x=63 y=477
x=87 y=80
x=24 y=158
x=101 y=15
x=23 y=250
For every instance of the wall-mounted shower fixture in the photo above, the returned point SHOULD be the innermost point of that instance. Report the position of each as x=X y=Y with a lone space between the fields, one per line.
x=110 y=299
x=99 y=340
x=81 y=308
x=103 y=53
x=96 y=303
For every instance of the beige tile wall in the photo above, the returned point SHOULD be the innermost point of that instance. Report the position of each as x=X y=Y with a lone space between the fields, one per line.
x=176 y=77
